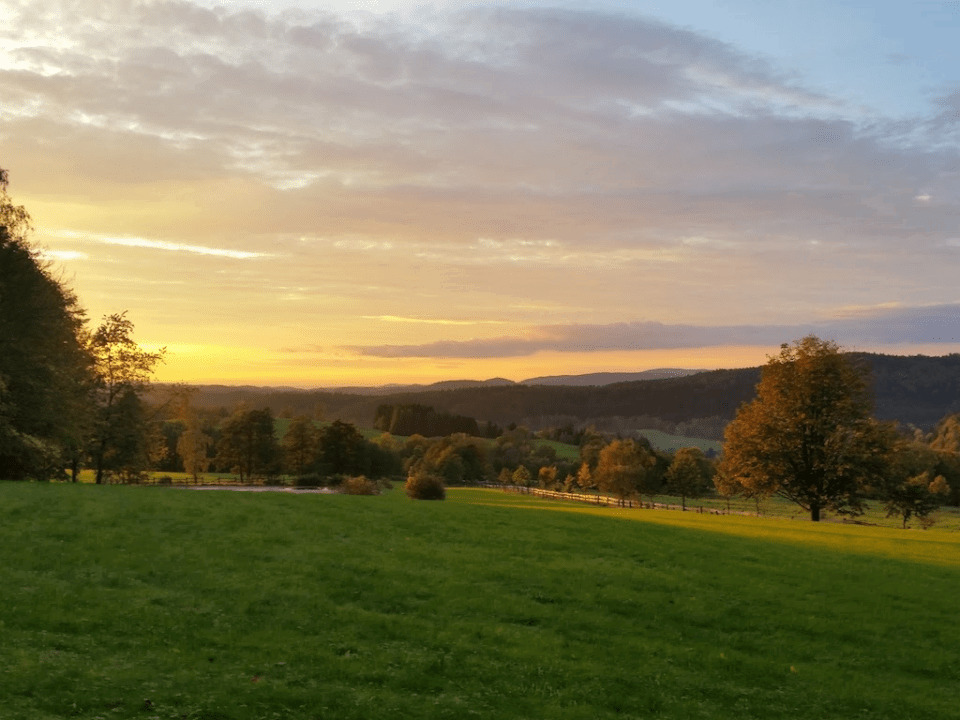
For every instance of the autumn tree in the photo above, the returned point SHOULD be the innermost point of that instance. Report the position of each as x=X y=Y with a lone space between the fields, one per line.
x=521 y=476
x=547 y=477
x=808 y=434
x=585 y=478
x=946 y=436
x=300 y=444
x=459 y=459
x=591 y=444
x=689 y=474
x=622 y=468
x=909 y=486
x=122 y=436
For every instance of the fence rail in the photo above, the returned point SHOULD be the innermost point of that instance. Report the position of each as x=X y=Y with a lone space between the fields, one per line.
x=604 y=500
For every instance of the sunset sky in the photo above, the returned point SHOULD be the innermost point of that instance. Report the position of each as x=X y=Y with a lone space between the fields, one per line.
x=334 y=193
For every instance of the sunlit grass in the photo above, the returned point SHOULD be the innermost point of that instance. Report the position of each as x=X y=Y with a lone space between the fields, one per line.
x=938 y=546
x=142 y=602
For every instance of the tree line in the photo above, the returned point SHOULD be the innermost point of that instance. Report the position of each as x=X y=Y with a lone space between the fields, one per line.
x=72 y=397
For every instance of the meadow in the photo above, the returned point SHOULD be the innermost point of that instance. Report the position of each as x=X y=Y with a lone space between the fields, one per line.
x=147 y=602
x=671 y=443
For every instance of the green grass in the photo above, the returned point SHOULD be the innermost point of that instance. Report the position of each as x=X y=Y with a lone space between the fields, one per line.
x=138 y=602
x=564 y=451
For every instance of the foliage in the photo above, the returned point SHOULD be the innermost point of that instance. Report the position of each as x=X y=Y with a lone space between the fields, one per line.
x=808 y=435
x=521 y=476
x=342 y=449
x=547 y=477
x=425 y=486
x=13 y=218
x=458 y=459
x=248 y=444
x=122 y=436
x=300 y=444
x=908 y=487
x=946 y=436
x=623 y=468
x=193 y=447
x=414 y=419
x=917 y=496
x=44 y=368
x=359 y=485
x=689 y=474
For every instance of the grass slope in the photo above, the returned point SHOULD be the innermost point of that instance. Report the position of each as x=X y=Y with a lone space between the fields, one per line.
x=157 y=603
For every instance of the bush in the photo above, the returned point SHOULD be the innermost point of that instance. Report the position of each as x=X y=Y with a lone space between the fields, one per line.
x=424 y=486
x=359 y=485
x=307 y=480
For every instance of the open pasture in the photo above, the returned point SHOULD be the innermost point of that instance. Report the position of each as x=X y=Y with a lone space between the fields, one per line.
x=145 y=602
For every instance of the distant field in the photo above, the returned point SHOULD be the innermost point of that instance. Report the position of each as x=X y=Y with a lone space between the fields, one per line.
x=137 y=602
x=671 y=443
x=564 y=451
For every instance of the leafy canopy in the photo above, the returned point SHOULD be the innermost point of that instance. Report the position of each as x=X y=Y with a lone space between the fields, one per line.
x=808 y=435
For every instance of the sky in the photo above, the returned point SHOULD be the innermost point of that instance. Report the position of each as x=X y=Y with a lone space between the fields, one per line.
x=321 y=194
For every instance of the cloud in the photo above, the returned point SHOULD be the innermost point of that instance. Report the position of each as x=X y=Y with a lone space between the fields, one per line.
x=482 y=162
x=602 y=129
x=919 y=325
x=163 y=245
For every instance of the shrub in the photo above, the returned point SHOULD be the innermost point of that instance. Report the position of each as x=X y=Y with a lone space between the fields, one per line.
x=359 y=485
x=307 y=480
x=424 y=486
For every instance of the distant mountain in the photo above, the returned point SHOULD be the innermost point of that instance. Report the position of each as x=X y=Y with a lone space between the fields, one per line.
x=918 y=390
x=609 y=378
x=442 y=385
x=586 y=380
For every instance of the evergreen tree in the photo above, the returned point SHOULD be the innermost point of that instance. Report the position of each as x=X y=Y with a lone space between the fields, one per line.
x=44 y=368
x=248 y=445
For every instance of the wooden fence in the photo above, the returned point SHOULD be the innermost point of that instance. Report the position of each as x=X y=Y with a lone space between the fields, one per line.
x=605 y=500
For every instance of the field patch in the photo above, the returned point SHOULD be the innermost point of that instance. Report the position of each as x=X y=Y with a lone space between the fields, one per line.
x=149 y=602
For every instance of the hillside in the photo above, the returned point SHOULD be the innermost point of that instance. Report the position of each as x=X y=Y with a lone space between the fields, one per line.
x=147 y=603
x=917 y=390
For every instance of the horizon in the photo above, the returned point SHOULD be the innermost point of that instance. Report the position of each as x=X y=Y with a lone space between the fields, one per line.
x=515 y=381
x=314 y=194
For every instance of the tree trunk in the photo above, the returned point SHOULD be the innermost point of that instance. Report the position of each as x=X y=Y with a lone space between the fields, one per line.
x=815 y=512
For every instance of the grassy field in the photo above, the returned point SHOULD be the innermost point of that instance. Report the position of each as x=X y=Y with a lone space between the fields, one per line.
x=143 y=602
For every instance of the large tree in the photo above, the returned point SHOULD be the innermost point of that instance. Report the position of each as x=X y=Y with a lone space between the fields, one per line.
x=121 y=438
x=300 y=444
x=623 y=467
x=689 y=474
x=44 y=368
x=248 y=444
x=808 y=435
